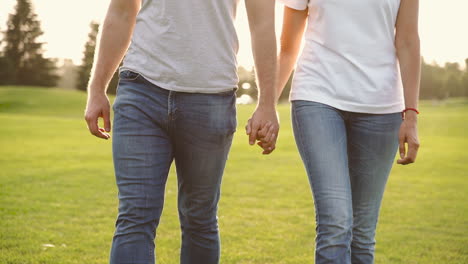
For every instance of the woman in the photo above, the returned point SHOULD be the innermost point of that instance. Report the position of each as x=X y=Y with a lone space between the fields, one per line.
x=358 y=74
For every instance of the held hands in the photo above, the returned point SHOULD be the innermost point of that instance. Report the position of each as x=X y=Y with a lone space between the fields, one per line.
x=409 y=135
x=98 y=106
x=263 y=127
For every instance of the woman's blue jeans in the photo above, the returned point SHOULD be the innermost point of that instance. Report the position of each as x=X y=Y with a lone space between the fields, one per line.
x=152 y=128
x=348 y=157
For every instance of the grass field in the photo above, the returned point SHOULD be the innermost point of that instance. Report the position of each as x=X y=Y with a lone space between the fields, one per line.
x=57 y=187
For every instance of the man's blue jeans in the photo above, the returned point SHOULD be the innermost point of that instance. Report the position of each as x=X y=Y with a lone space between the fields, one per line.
x=348 y=157
x=153 y=127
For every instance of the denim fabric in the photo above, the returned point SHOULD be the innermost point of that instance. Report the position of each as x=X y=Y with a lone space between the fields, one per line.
x=152 y=128
x=348 y=157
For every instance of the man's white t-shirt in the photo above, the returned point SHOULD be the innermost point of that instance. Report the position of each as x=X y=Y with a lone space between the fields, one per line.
x=186 y=46
x=349 y=58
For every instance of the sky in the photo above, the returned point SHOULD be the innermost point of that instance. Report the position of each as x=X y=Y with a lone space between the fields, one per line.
x=443 y=27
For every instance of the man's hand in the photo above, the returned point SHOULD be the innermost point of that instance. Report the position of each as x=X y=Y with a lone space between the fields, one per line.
x=263 y=126
x=408 y=135
x=116 y=33
x=98 y=106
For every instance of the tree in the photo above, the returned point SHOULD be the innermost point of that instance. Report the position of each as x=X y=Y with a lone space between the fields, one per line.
x=453 y=79
x=22 y=59
x=247 y=84
x=84 y=70
x=68 y=72
x=88 y=57
x=465 y=79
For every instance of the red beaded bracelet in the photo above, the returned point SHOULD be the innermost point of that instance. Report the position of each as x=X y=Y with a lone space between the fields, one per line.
x=408 y=109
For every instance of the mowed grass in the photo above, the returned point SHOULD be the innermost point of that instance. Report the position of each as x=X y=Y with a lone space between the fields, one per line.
x=57 y=187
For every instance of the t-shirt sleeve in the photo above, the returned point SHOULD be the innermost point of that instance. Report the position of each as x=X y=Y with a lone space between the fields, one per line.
x=295 y=4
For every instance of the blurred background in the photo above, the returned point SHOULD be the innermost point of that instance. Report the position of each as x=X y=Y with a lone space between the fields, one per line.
x=51 y=43
x=58 y=198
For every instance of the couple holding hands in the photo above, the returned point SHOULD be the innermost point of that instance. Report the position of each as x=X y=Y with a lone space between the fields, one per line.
x=354 y=103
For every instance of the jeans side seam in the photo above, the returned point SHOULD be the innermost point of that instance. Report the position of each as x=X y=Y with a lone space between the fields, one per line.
x=301 y=136
x=306 y=155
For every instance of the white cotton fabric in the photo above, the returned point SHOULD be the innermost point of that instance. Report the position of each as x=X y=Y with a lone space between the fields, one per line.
x=186 y=46
x=349 y=57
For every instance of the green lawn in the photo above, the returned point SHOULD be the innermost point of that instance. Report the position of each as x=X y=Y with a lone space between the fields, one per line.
x=57 y=187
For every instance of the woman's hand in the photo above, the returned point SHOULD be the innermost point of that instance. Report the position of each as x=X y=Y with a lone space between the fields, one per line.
x=408 y=135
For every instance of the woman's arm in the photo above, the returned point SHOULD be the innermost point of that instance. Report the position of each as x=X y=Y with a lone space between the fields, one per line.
x=408 y=53
x=114 y=41
x=294 y=22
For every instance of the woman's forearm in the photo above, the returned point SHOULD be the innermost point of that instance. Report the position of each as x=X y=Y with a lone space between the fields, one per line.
x=408 y=52
x=286 y=62
x=294 y=22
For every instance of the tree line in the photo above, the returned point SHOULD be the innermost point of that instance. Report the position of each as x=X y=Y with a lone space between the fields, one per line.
x=437 y=82
x=441 y=82
x=22 y=62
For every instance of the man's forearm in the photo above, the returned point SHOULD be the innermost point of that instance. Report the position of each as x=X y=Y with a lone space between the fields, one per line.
x=265 y=65
x=114 y=39
x=261 y=15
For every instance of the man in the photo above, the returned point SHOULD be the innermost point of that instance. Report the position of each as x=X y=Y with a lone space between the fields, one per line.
x=176 y=101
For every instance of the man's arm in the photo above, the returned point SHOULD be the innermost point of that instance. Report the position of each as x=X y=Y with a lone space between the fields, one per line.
x=264 y=121
x=114 y=41
x=408 y=51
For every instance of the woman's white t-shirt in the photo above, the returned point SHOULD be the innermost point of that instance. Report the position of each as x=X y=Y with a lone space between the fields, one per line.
x=349 y=59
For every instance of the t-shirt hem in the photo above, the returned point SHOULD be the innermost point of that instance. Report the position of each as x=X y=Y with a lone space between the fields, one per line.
x=183 y=89
x=298 y=5
x=350 y=107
